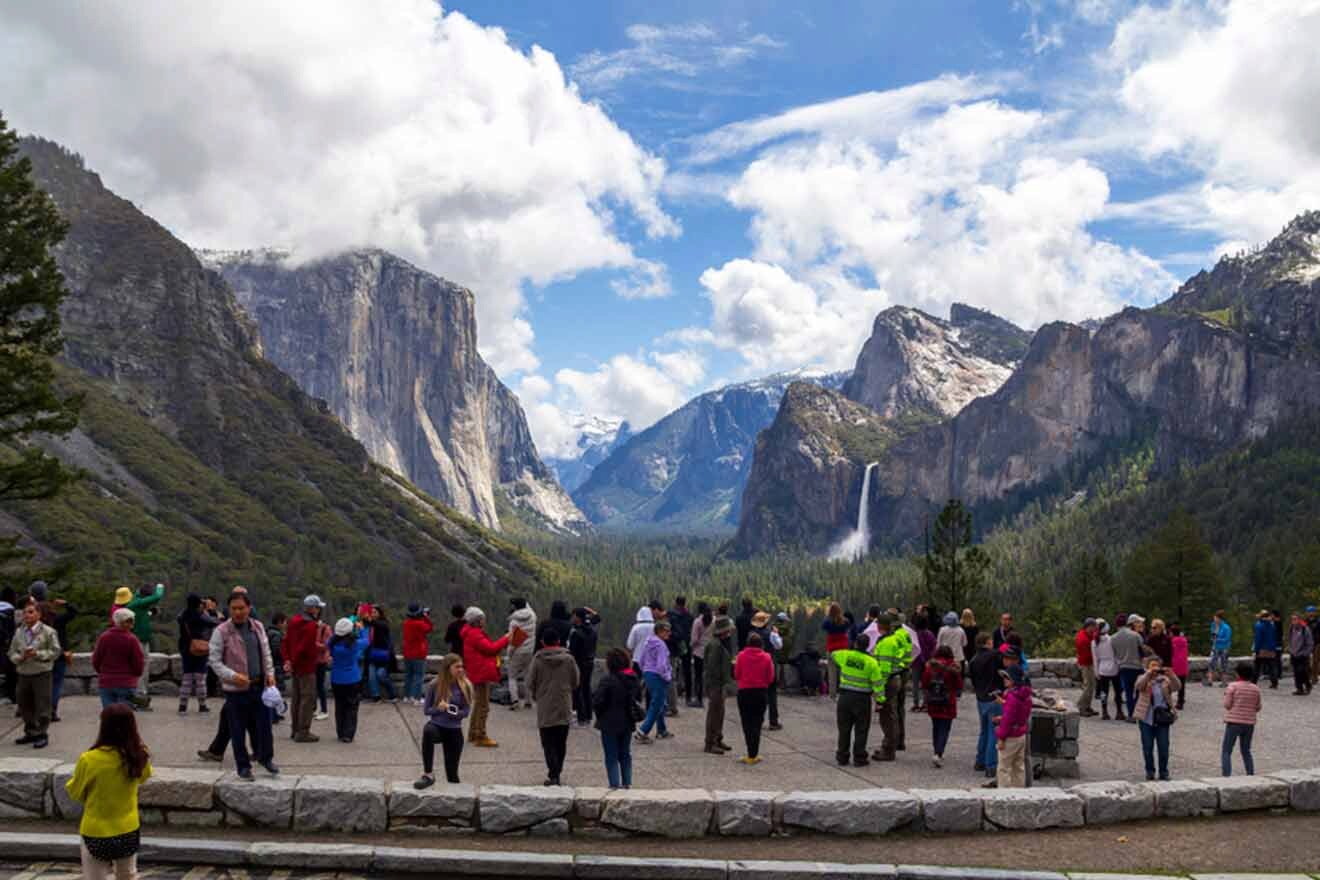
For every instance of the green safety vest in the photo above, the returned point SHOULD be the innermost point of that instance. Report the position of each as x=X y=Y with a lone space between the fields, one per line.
x=903 y=655
x=888 y=652
x=860 y=672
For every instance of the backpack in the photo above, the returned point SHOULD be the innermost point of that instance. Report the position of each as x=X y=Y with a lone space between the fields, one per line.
x=937 y=690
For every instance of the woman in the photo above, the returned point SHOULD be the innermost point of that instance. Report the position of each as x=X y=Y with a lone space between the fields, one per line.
x=838 y=632
x=926 y=639
x=657 y=673
x=1155 y=715
x=1241 y=706
x=1106 y=672
x=969 y=627
x=701 y=634
x=1160 y=643
x=954 y=637
x=324 y=633
x=105 y=781
x=754 y=671
x=479 y=658
x=195 y=626
x=347 y=648
x=447 y=701
x=380 y=657
x=617 y=705
x=1180 y=660
x=942 y=683
x=119 y=662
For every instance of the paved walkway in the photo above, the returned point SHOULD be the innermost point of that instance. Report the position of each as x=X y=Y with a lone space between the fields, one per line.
x=799 y=757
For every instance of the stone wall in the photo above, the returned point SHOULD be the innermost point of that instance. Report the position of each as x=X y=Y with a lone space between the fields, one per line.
x=33 y=788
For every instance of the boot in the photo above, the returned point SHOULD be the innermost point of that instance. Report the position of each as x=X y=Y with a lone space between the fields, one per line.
x=1104 y=711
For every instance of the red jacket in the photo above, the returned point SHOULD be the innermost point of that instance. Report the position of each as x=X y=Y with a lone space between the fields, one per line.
x=299 y=647
x=118 y=659
x=479 y=654
x=415 y=644
x=1083 y=643
x=952 y=682
x=753 y=668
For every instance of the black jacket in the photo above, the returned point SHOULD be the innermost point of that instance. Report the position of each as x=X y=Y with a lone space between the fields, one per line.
x=743 y=624
x=194 y=624
x=613 y=701
x=582 y=644
x=454 y=636
x=558 y=621
x=984 y=672
x=681 y=621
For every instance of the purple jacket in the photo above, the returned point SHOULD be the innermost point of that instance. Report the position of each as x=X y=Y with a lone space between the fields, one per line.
x=654 y=658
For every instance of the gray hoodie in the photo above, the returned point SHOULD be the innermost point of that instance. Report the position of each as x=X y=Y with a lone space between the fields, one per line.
x=1127 y=648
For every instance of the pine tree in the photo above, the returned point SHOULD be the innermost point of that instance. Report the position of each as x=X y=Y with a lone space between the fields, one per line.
x=31 y=290
x=1174 y=575
x=955 y=568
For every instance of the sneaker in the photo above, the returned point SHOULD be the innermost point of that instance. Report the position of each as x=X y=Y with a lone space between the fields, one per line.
x=642 y=739
x=208 y=755
x=424 y=782
x=749 y=761
x=937 y=761
x=776 y=726
x=25 y=740
x=270 y=768
x=664 y=734
x=993 y=783
x=203 y=709
x=246 y=775
x=40 y=742
x=320 y=716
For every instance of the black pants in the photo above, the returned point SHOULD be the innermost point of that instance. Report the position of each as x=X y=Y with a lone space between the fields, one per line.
x=853 y=714
x=685 y=670
x=248 y=715
x=221 y=741
x=699 y=678
x=772 y=701
x=554 y=742
x=451 y=741
x=751 y=710
x=582 y=696
x=347 y=698
x=1265 y=668
x=1301 y=668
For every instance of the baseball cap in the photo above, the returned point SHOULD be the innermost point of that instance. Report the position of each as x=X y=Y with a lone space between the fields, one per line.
x=313 y=601
x=343 y=626
x=1310 y=609
x=38 y=590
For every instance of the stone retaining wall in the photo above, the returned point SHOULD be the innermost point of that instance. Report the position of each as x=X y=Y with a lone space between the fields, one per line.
x=33 y=788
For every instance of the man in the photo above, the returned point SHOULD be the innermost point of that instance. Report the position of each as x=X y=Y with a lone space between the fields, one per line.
x=240 y=657
x=744 y=622
x=1263 y=648
x=118 y=661
x=887 y=652
x=301 y=656
x=1313 y=622
x=8 y=626
x=984 y=671
x=861 y=683
x=33 y=652
x=56 y=613
x=582 y=645
x=1280 y=640
x=680 y=644
x=1301 y=644
x=552 y=679
x=1086 y=663
x=1127 y=644
x=1221 y=641
x=905 y=655
x=1001 y=632
x=521 y=616
x=718 y=682
x=454 y=632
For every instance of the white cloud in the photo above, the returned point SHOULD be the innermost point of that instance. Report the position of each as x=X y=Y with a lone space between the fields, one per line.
x=646 y=280
x=669 y=56
x=323 y=126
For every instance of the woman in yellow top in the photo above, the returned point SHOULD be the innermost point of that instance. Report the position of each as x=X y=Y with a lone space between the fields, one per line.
x=106 y=783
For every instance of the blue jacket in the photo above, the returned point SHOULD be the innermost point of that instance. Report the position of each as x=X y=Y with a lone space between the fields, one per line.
x=346 y=658
x=1263 y=637
x=1222 y=639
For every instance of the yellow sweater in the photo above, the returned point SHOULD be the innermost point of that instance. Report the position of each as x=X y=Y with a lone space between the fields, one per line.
x=108 y=796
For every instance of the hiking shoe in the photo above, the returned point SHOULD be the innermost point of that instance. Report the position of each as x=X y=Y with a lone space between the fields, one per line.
x=306 y=738
x=424 y=782
x=270 y=768
x=642 y=739
x=208 y=755
x=883 y=756
x=664 y=734
x=40 y=742
x=246 y=775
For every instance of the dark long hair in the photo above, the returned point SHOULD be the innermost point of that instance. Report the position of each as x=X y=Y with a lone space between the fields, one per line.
x=119 y=731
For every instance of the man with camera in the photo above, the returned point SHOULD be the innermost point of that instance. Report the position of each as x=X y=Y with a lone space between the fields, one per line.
x=417 y=628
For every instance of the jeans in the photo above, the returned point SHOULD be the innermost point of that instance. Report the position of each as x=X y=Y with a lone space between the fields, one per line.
x=940 y=728
x=346 y=710
x=554 y=745
x=618 y=758
x=247 y=714
x=986 y=751
x=57 y=683
x=451 y=741
x=414 y=671
x=657 y=690
x=1241 y=734
x=1153 y=736
x=1219 y=663
x=378 y=679
x=1127 y=680
x=110 y=696
x=751 y=710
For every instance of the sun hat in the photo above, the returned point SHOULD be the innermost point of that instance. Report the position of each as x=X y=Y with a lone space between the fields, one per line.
x=123 y=596
x=760 y=619
x=343 y=626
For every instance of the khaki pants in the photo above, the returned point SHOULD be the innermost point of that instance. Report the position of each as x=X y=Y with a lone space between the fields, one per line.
x=120 y=869
x=520 y=662
x=302 y=703
x=480 y=712
x=714 y=718
x=1088 y=689
x=33 y=697
x=1013 y=762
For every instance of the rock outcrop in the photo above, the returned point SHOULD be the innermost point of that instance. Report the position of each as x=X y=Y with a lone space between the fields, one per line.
x=393 y=350
x=597 y=438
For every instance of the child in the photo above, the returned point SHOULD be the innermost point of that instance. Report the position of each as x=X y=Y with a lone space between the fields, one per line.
x=1241 y=706
x=1014 y=722
x=105 y=781
x=447 y=701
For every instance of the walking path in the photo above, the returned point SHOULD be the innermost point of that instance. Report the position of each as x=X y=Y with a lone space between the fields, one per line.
x=800 y=757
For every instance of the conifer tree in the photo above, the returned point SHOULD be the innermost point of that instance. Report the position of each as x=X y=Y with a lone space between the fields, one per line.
x=1174 y=575
x=955 y=568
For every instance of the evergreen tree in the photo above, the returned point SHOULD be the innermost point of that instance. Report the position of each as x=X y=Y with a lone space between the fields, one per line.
x=955 y=568
x=1174 y=575
x=1089 y=587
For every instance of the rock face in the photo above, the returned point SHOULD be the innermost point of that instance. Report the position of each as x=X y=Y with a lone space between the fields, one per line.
x=393 y=350
x=597 y=438
x=686 y=473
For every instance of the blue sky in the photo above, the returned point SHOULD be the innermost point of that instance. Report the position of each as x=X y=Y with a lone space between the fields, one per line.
x=649 y=199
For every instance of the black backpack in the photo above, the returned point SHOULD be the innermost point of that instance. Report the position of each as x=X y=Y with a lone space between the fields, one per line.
x=937 y=691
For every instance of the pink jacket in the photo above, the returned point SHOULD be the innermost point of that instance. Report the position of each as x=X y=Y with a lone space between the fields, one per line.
x=1016 y=717
x=1241 y=703
x=1180 y=652
x=753 y=668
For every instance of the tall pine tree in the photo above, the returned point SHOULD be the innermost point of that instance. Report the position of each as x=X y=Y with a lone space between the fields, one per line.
x=1173 y=575
x=955 y=568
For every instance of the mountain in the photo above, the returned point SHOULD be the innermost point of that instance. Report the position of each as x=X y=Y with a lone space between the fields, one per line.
x=1229 y=357
x=206 y=465
x=686 y=472
x=393 y=350
x=597 y=437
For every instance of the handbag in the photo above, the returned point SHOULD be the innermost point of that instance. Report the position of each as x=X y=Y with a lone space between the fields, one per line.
x=1164 y=716
x=199 y=647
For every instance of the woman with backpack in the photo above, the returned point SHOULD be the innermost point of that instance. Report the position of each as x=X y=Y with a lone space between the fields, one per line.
x=941 y=682
x=105 y=781
x=447 y=701
x=1155 y=714
x=618 y=708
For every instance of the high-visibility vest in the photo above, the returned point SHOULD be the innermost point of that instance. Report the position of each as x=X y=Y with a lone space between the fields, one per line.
x=905 y=651
x=888 y=652
x=860 y=672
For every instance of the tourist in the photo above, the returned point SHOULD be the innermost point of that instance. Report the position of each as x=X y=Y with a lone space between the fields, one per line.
x=680 y=645
x=656 y=674
x=8 y=626
x=381 y=659
x=454 y=632
x=838 y=632
x=717 y=671
x=986 y=684
x=33 y=651
x=1242 y=704
x=220 y=742
x=926 y=644
x=971 y=631
x=861 y=686
x=701 y=634
x=1180 y=662
x=941 y=683
x=771 y=642
x=582 y=645
x=1106 y=672
x=240 y=657
x=559 y=621
x=1155 y=714
x=617 y=709
x=1014 y=724
x=551 y=680
x=953 y=637
x=1127 y=646
x=142 y=606
x=743 y=622
x=275 y=635
x=1221 y=642
x=905 y=652
x=195 y=626
x=1001 y=632
x=1082 y=646
x=301 y=656
x=347 y=648
x=519 y=660
x=642 y=628
x=1160 y=643
x=105 y=781
x=479 y=658
x=1301 y=644
x=448 y=700
x=57 y=614
x=754 y=673
x=416 y=646
x=323 y=635
x=118 y=661
x=1263 y=649
x=1280 y=641
x=1313 y=621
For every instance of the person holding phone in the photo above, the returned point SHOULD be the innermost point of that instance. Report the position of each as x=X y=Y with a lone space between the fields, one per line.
x=447 y=701
x=1156 y=691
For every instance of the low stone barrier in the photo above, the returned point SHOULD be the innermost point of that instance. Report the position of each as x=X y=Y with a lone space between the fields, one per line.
x=33 y=788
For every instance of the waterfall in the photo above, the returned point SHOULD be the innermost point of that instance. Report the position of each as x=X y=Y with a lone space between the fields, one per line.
x=854 y=546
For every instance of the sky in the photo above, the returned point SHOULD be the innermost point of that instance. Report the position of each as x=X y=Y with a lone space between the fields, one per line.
x=652 y=199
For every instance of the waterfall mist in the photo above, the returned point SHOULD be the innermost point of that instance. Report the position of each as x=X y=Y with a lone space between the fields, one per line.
x=853 y=547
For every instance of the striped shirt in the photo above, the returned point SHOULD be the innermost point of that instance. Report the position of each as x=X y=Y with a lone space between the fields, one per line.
x=1241 y=703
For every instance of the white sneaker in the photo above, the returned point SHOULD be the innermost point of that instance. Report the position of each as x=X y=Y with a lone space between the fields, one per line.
x=320 y=716
x=937 y=761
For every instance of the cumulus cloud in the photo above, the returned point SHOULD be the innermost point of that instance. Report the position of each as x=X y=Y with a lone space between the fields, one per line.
x=669 y=56
x=324 y=126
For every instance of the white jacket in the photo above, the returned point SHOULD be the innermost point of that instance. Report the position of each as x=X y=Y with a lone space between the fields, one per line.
x=1103 y=652
x=641 y=630
x=525 y=620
